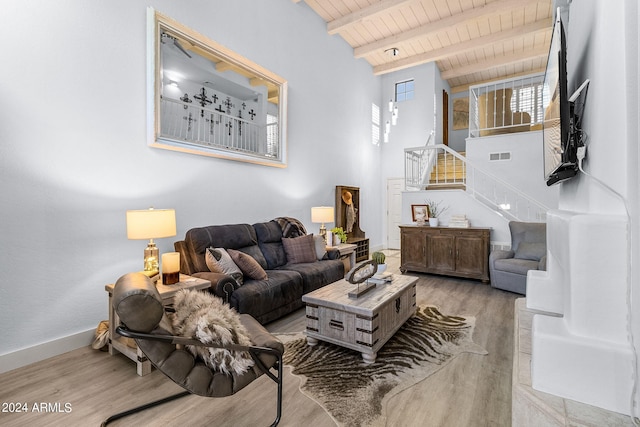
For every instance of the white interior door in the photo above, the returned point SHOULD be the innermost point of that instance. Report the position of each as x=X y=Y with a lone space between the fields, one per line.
x=395 y=187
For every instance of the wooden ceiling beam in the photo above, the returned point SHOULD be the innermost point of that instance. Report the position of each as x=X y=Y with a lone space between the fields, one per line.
x=500 y=6
x=467 y=46
x=500 y=61
x=353 y=18
x=465 y=87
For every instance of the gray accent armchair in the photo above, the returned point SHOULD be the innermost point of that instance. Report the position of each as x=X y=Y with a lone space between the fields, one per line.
x=508 y=269
x=139 y=307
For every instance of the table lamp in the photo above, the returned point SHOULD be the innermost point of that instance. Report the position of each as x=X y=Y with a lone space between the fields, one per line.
x=322 y=214
x=151 y=224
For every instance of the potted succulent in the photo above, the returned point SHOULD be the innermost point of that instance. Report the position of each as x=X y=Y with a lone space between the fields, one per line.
x=379 y=258
x=339 y=235
x=435 y=210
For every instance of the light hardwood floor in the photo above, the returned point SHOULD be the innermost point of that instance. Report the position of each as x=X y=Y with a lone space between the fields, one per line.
x=472 y=390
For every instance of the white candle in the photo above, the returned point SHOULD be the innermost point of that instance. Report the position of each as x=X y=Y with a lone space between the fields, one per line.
x=171 y=262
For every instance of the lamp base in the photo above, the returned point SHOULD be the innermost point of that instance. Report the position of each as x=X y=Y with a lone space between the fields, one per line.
x=323 y=232
x=151 y=262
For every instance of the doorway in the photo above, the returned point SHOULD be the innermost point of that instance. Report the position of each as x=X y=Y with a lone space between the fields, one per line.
x=395 y=187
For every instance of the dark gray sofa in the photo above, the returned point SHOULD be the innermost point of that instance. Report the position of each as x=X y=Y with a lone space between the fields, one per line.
x=265 y=300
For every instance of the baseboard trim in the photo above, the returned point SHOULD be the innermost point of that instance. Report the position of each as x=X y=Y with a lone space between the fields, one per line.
x=37 y=353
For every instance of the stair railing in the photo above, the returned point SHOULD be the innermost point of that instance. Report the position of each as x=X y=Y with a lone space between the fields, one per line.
x=499 y=195
x=419 y=162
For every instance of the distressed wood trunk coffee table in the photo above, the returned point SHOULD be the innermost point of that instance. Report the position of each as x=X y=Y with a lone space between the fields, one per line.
x=363 y=324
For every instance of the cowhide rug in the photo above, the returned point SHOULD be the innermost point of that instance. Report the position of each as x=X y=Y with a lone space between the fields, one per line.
x=355 y=393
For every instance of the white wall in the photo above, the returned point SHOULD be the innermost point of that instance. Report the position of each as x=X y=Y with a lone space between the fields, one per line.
x=415 y=117
x=459 y=202
x=596 y=51
x=524 y=170
x=74 y=157
x=603 y=47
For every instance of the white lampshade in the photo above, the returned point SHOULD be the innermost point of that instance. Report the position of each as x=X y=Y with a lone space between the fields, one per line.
x=322 y=214
x=151 y=224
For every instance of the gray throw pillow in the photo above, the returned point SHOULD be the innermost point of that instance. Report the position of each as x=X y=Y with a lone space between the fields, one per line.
x=219 y=261
x=321 y=247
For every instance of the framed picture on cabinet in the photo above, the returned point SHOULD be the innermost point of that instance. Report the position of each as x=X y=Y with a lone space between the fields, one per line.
x=420 y=213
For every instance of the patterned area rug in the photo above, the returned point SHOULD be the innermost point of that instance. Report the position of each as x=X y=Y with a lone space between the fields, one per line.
x=355 y=393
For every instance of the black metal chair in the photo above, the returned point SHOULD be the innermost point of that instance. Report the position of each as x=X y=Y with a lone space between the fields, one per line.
x=139 y=306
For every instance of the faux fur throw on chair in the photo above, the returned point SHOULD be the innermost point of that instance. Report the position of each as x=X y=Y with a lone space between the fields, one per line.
x=204 y=316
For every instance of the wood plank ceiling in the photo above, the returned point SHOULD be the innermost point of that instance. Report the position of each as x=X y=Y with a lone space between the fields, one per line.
x=471 y=41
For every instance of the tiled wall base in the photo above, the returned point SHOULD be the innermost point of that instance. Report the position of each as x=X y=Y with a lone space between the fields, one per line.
x=534 y=408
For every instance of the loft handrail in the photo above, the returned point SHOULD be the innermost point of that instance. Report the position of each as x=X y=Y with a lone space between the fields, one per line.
x=507 y=80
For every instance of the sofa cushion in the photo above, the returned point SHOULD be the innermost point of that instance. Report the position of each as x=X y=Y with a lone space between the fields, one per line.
x=300 y=249
x=269 y=236
x=233 y=236
x=219 y=261
x=532 y=251
x=248 y=265
x=269 y=299
x=317 y=274
x=514 y=265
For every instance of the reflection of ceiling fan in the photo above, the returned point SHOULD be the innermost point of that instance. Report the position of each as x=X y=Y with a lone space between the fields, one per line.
x=175 y=41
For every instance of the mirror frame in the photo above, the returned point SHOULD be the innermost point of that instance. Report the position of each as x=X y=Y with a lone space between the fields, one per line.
x=156 y=24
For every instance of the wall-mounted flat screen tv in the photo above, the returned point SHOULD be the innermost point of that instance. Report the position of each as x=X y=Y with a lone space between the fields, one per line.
x=560 y=161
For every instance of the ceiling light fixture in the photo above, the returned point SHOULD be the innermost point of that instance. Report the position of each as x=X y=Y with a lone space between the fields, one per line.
x=394 y=51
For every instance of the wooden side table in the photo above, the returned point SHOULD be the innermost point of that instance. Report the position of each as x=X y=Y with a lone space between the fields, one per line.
x=346 y=250
x=118 y=344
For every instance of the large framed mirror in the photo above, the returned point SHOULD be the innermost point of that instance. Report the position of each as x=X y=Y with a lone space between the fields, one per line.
x=206 y=99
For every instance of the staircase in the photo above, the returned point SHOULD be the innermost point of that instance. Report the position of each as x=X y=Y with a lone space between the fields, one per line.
x=448 y=172
x=436 y=166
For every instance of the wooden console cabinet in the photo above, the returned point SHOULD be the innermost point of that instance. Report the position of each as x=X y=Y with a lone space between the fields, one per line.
x=461 y=252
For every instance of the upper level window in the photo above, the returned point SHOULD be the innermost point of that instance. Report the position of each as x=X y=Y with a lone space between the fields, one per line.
x=404 y=90
x=528 y=99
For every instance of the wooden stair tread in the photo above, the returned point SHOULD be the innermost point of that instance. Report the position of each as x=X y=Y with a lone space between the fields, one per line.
x=446 y=186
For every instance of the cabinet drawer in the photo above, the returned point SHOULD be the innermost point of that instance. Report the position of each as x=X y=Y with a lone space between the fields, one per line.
x=337 y=324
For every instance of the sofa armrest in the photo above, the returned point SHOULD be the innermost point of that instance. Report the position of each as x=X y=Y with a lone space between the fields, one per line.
x=500 y=254
x=542 y=264
x=222 y=285
x=333 y=254
x=186 y=266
